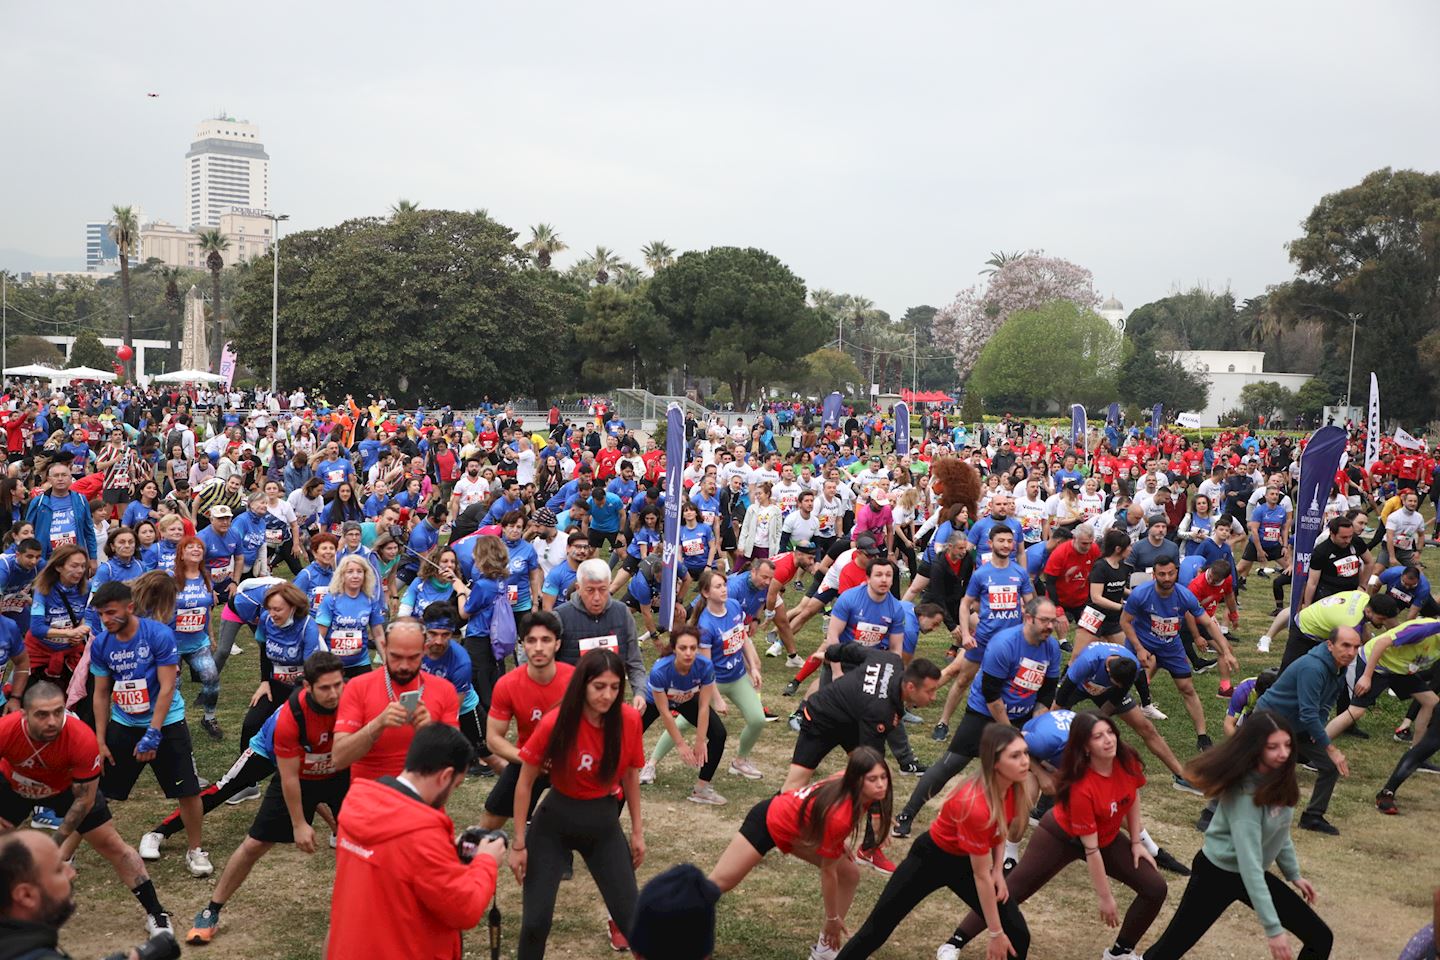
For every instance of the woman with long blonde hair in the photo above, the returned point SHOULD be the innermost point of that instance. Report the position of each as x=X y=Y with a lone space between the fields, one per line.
x=351 y=616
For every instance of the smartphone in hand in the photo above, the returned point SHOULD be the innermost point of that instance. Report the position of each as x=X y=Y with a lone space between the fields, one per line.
x=410 y=699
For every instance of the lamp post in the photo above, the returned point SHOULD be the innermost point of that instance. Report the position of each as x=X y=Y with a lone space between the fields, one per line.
x=275 y=220
x=1354 y=319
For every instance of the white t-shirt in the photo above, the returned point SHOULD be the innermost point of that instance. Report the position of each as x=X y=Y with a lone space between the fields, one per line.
x=471 y=491
x=525 y=466
x=801 y=529
x=551 y=552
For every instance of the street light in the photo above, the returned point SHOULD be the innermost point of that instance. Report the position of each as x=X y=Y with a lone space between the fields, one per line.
x=275 y=219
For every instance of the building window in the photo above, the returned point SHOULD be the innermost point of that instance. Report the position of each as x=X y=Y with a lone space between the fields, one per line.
x=1232 y=368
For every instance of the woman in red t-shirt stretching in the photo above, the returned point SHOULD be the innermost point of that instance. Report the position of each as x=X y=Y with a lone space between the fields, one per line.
x=589 y=744
x=965 y=844
x=820 y=824
x=1098 y=789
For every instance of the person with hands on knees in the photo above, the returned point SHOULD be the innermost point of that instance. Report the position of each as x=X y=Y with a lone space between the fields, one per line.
x=397 y=847
x=681 y=689
x=286 y=635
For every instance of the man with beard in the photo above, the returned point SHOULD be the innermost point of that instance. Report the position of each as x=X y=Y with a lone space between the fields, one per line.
x=37 y=896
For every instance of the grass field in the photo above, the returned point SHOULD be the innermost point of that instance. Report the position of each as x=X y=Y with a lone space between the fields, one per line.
x=283 y=910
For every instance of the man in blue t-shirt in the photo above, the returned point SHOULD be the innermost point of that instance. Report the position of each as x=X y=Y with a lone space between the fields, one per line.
x=607 y=519
x=868 y=614
x=334 y=469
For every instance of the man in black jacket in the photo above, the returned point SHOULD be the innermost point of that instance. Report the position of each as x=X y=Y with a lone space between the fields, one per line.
x=37 y=896
x=949 y=576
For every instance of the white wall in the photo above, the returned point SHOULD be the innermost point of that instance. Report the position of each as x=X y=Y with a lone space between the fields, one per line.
x=1228 y=372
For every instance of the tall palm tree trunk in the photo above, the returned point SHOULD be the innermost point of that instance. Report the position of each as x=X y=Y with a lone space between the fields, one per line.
x=215 y=330
x=129 y=365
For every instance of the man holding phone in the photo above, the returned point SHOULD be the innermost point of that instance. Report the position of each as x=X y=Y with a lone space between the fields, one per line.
x=380 y=711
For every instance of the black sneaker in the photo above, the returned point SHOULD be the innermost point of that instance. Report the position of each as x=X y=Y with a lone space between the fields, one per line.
x=1009 y=865
x=1202 y=823
x=1276 y=612
x=1165 y=861
x=770 y=716
x=1226 y=692
x=901 y=827
x=1306 y=765
x=1427 y=767
x=791 y=688
x=1404 y=735
x=211 y=726
x=1203 y=742
x=1319 y=825
x=914 y=768
x=1066 y=646
x=1203 y=665
x=1385 y=802
x=941 y=731
x=1356 y=732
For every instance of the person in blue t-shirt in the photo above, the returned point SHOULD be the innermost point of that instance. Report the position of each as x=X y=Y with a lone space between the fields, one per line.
x=1410 y=588
x=140 y=714
x=351 y=617
x=1002 y=506
x=643 y=542
x=524 y=579
x=868 y=614
x=681 y=693
x=608 y=519
x=1269 y=533
x=17 y=574
x=560 y=581
x=224 y=552
x=334 y=469
x=1017 y=680
x=286 y=634
x=1151 y=621
x=444 y=657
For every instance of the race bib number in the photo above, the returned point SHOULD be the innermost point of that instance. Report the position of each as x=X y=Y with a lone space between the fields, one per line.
x=274 y=536
x=692 y=548
x=827 y=525
x=1270 y=532
x=58 y=540
x=190 y=620
x=733 y=640
x=680 y=696
x=14 y=603
x=1165 y=628
x=1347 y=566
x=1091 y=619
x=131 y=696
x=1402 y=542
x=1093 y=688
x=316 y=595
x=216 y=566
x=335 y=476
x=316 y=765
x=1029 y=675
x=608 y=642
x=29 y=789
x=1003 y=597
x=346 y=643
x=512 y=593
x=870 y=634
x=707 y=517
x=984 y=558
x=287 y=674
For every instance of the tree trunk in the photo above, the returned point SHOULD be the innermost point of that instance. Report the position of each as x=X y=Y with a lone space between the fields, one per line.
x=216 y=347
x=177 y=323
x=129 y=365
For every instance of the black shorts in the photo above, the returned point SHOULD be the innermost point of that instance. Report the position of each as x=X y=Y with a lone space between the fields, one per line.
x=501 y=802
x=173 y=766
x=272 y=821
x=1071 y=693
x=1405 y=685
x=922 y=569
x=359 y=670
x=16 y=808
x=818 y=737
x=1272 y=551
x=826 y=596
x=754 y=828
x=966 y=741
x=597 y=538
x=629 y=564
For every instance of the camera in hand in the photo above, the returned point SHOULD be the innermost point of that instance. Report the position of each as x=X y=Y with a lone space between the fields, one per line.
x=469 y=842
x=162 y=946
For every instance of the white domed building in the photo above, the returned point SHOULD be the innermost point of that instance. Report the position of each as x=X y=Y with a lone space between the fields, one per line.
x=1114 y=311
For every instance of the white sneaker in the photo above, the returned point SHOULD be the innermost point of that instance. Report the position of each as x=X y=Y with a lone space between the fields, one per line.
x=707 y=796
x=947 y=951
x=1263 y=644
x=742 y=767
x=333 y=842
x=154 y=926
x=236 y=649
x=1127 y=955
x=197 y=861
x=795 y=661
x=647 y=773
x=150 y=846
x=774 y=649
x=821 y=952
x=1153 y=712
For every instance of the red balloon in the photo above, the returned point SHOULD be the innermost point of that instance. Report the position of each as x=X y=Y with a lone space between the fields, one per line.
x=124 y=352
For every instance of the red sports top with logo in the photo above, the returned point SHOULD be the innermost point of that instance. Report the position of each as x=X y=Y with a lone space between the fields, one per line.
x=963 y=826
x=516 y=695
x=1210 y=594
x=365 y=698
x=579 y=775
x=39 y=770
x=1099 y=804
x=785 y=568
x=319 y=732
x=782 y=819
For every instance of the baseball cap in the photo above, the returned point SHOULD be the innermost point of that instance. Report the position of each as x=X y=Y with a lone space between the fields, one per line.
x=545 y=517
x=220 y=510
x=1072 y=485
x=866 y=544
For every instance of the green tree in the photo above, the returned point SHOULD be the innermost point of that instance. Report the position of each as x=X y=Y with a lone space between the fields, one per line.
x=658 y=255
x=125 y=231
x=175 y=304
x=622 y=340
x=936 y=367
x=826 y=370
x=1058 y=353
x=739 y=313
x=629 y=277
x=213 y=244
x=1265 y=398
x=1370 y=255
x=972 y=408
x=1196 y=320
x=88 y=351
x=403 y=207
x=544 y=243
x=1147 y=378
x=998 y=260
x=601 y=263
x=1312 y=398
x=436 y=305
x=25 y=350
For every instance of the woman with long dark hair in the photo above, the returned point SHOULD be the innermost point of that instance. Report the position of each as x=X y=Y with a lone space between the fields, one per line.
x=1252 y=775
x=344 y=508
x=963 y=850
x=590 y=745
x=61 y=621
x=821 y=823
x=1096 y=792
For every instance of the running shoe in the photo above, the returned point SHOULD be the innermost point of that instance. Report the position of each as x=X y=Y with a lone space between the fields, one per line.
x=1066 y=646
x=251 y=792
x=1202 y=822
x=900 y=828
x=158 y=923
x=819 y=951
x=1153 y=712
x=1263 y=645
x=1226 y=692
x=43 y=818
x=795 y=722
x=941 y=731
x=1009 y=865
x=150 y=846
x=914 y=768
x=647 y=774
x=791 y=688
x=1306 y=765
x=1110 y=954
x=618 y=943
x=1203 y=742
x=794 y=661
x=707 y=796
x=1427 y=767
x=948 y=951
x=236 y=649
x=742 y=767
x=770 y=715
x=197 y=861
x=1185 y=786
x=211 y=726
x=913 y=717
x=1166 y=861
x=775 y=649
x=203 y=930
x=1318 y=824
x=1385 y=802
x=1203 y=665
x=875 y=858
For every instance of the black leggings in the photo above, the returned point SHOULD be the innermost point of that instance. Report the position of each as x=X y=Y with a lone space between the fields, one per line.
x=925 y=870
x=247 y=771
x=256 y=716
x=561 y=825
x=474 y=729
x=714 y=732
x=1423 y=750
x=484 y=670
x=1210 y=892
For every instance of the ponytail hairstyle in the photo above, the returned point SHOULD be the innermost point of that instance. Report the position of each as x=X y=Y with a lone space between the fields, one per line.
x=1224 y=767
x=571 y=713
x=1075 y=762
x=846 y=787
x=1115 y=542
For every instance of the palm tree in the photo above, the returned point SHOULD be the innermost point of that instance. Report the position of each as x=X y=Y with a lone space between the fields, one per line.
x=213 y=244
x=403 y=207
x=176 y=304
x=628 y=277
x=125 y=231
x=544 y=241
x=999 y=260
x=658 y=255
x=603 y=260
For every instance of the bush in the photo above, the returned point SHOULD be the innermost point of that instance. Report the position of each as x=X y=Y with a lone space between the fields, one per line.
x=972 y=407
x=20 y=351
x=88 y=351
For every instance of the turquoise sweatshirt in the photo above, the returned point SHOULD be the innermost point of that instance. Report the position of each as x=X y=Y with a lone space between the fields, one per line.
x=1246 y=839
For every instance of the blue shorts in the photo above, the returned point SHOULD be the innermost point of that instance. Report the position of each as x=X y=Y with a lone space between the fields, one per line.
x=1171 y=658
x=977 y=654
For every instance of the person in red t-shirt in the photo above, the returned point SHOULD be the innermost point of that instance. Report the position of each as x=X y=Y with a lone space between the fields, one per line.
x=374 y=726
x=524 y=696
x=1211 y=586
x=819 y=823
x=1067 y=572
x=49 y=758
x=590 y=745
x=960 y=850
x=1097 y=791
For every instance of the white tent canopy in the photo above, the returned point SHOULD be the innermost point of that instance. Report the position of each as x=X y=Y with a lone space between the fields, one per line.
x=31 y=370
x=82 y=373
x=187 y=376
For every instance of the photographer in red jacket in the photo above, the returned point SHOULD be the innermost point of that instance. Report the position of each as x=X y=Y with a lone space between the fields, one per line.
x=401 y=889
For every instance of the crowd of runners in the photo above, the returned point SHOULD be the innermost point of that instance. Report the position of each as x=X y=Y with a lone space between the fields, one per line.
x=396 y=572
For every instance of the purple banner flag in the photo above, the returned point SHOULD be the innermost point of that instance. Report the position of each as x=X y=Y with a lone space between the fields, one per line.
x=674 y=495
x=1318 y=463
x=830 y=412
x=902 y=428
x=1077 y=426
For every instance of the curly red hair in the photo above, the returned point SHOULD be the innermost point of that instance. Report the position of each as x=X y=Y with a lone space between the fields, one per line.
x=956 y=482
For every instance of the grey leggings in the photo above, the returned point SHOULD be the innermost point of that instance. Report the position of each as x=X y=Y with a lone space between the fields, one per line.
x=560 y=825
x=229 y=633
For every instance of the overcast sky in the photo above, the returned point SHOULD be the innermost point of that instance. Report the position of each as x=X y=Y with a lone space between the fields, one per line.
x=878 y=149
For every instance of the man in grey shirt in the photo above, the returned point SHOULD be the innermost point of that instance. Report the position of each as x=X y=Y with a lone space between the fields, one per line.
x=1153 y=545
x=591 y=618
